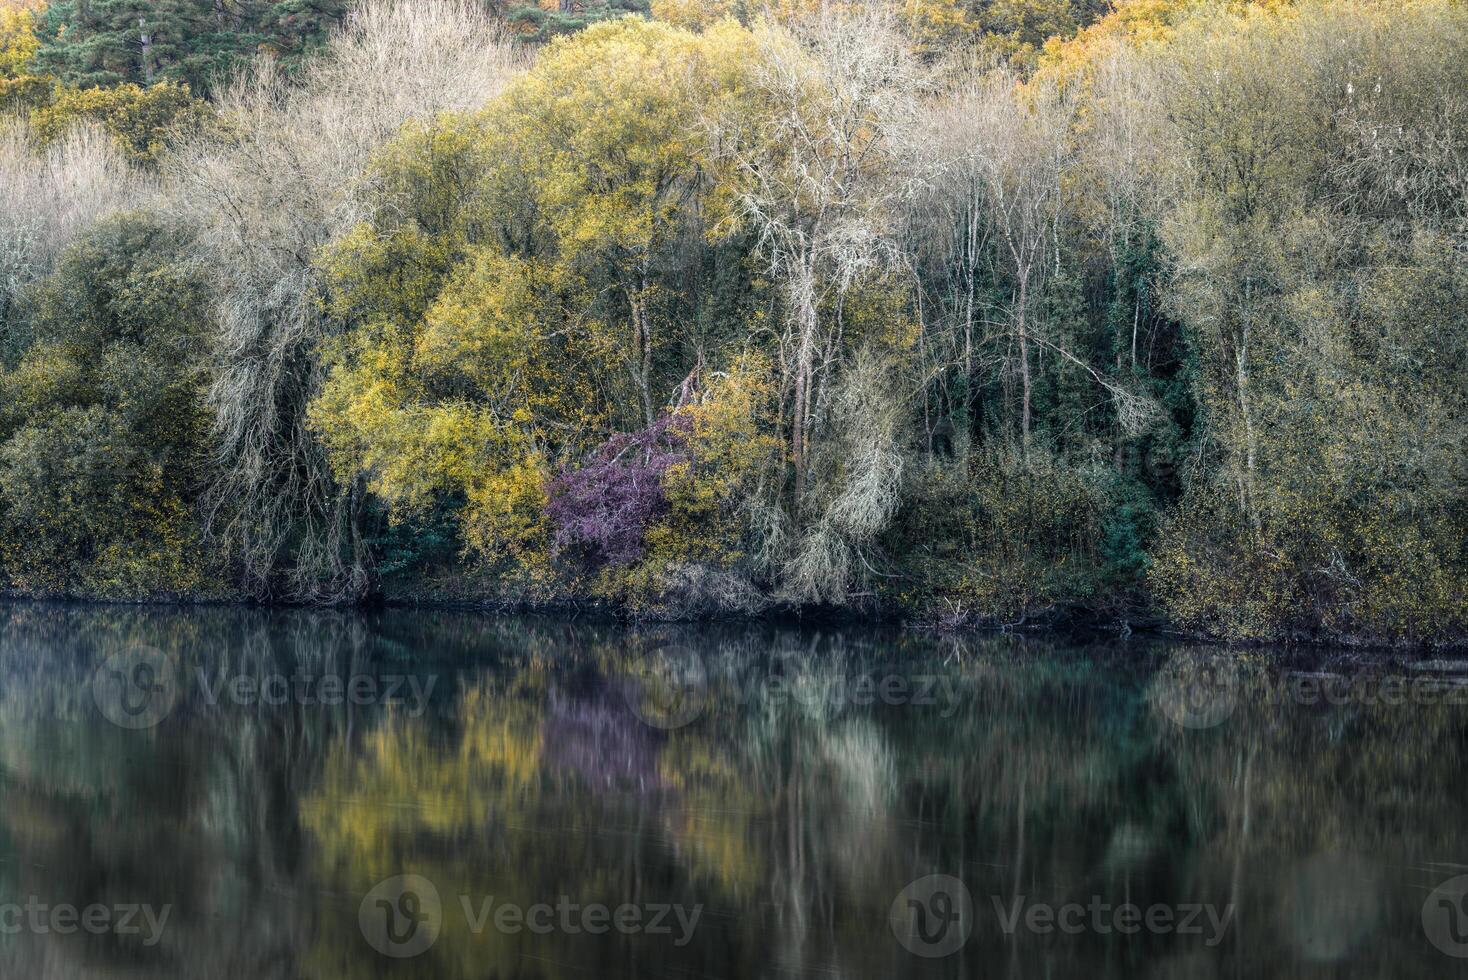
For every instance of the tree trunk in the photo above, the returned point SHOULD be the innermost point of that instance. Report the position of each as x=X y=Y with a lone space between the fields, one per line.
x=146 y=39
x=1024 y=367
x=640 y=359
x=974 y=409
x=803 y=288
x=1246 y=414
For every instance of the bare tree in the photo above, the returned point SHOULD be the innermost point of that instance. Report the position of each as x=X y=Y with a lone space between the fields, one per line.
x=1116 y=147
x=862 y=465
x=47 y=198
x=1004 y=151
x=950 y=239
x=286 y=172
x=1024 y=145
x=816 y=155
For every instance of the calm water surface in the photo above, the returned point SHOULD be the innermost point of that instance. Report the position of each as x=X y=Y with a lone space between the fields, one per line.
x=443 y=795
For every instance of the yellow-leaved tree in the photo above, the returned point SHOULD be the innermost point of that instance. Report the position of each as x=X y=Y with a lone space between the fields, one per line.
x=511 y=304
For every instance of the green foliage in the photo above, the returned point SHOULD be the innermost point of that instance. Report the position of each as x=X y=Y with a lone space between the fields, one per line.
x=1333 y=503
x=1000 y=538
x=297 y=29
x=508 y=306
x=1126 y=536
x=18 y=96
x=536 y=24
x=105 y=433
x=1013 y=30
x=140 y=119
x=1168 y=320
x=88 y=43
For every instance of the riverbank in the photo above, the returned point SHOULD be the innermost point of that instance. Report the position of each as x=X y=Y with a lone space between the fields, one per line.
x=1074 y=623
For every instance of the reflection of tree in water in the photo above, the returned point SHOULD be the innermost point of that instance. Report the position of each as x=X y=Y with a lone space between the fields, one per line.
x=785 y=801
x=792 y=813
x=1326 y=823
x=602 y=743
x=540 y=783
x=852 y=803
x=197 y=813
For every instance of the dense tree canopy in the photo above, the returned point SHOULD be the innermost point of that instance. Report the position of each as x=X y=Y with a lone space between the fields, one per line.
x=975 y=313
x=104 y=425
x=194 y=42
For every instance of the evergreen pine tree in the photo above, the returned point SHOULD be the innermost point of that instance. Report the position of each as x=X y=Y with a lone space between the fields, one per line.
x=106 y=42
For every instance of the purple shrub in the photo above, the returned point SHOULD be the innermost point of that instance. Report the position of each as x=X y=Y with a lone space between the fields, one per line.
x=602 y=510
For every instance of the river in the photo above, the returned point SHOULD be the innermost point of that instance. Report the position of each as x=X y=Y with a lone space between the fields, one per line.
x=221 y=792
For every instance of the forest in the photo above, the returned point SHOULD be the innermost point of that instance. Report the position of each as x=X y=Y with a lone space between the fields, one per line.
x=992 y=313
